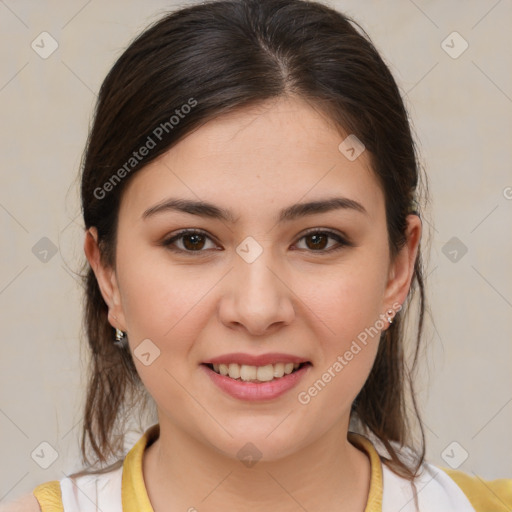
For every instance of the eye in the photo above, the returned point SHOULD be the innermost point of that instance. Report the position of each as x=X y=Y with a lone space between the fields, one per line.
x=192 y=240
x=316 y=241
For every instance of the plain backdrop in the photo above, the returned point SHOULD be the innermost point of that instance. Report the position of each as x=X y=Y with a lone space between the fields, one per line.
x=460 y=103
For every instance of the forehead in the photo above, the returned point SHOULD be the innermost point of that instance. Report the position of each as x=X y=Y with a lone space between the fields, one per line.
x=256 y=159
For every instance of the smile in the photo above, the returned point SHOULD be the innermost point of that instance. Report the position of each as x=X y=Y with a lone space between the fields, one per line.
x=248 y=386
x=249 y=373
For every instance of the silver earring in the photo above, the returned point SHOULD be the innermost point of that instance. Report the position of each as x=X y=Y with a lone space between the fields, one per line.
x=390 y=317
x=121 y=340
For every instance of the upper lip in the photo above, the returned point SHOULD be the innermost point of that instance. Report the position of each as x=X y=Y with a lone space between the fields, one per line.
x=250 y=360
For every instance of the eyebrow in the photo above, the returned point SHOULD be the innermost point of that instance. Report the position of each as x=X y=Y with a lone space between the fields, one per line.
x=209 y=210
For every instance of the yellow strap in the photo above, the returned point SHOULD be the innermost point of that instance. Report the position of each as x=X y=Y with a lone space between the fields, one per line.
x=134 y=493
x=374 y=502
x=484 y=495
x=49 y=496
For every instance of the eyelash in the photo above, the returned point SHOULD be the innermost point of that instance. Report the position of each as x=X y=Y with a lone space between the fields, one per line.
x=343 y=242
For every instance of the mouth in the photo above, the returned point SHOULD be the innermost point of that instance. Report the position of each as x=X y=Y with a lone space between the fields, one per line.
x=256 y=383
x=256 y=374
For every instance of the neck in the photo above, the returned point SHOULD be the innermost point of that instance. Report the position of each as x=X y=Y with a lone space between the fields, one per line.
x=180 y=472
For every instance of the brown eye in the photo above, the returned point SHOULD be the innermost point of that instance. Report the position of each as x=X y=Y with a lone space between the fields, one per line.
x=190 y=241
x=193 y=242
x=317 y=241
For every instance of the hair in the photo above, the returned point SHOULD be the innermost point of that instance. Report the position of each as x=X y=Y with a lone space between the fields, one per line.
x=217 y=57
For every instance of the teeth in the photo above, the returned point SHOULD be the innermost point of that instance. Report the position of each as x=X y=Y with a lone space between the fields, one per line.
x=248 y=372
x=260 y=373
x=234 y=371
x=265 y=373
x=278 y=370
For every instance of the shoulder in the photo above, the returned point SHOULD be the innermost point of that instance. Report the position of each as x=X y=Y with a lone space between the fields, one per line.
x=26 y=503
x=49 y=496
x=74 y=492
x=484 y=494
x=436 y=488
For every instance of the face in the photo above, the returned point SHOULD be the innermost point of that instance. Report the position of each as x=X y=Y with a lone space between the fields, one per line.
x=308 y=284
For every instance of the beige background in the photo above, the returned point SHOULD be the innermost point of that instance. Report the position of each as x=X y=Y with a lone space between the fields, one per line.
x=461 y=109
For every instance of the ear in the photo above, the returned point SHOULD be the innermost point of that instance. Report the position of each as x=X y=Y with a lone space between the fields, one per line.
x=107 y=280
x=402 y=268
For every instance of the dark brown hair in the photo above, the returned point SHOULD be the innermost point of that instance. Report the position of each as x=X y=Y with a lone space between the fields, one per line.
x=217 y=57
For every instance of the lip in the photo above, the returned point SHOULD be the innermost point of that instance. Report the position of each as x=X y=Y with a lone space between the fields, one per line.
x=257 y=391
x=261 y=360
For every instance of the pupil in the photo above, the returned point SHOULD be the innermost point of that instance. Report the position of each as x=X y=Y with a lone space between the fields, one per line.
x=316 y=237
x=194 y=244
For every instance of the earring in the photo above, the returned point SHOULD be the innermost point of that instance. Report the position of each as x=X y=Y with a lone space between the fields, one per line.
x=121 y=340
x=390 y=314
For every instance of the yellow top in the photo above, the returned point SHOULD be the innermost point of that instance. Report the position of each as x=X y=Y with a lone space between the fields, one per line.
x=484 y=495
x=48 y=496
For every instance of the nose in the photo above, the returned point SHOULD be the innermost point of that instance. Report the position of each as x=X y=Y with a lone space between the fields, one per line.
x=257 y=297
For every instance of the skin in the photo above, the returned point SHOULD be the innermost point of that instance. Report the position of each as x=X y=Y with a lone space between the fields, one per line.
x=291 y=299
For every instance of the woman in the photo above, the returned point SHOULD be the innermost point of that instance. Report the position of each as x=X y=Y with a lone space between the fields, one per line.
x=250 y=194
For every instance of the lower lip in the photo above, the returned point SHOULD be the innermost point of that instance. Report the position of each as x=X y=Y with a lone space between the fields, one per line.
x=256 y=391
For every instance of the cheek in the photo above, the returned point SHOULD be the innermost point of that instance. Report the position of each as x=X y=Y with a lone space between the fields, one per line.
x=164 y=308
x=347 y=327
x=348 y=299
x=158 y=296
x=347 y=305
